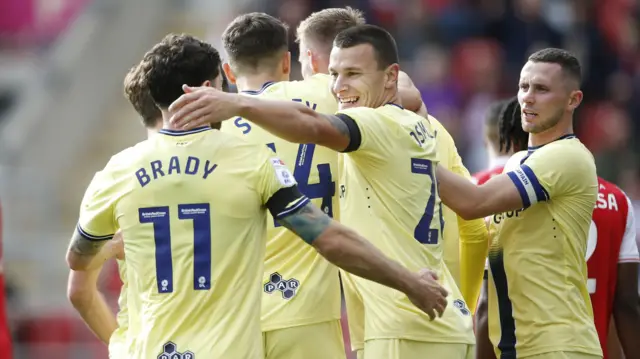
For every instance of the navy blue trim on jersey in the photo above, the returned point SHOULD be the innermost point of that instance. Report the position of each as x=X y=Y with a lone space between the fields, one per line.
x=528 y=186
x=507 y=343
x=395 y=104
x=90 y=237
x=264 y=87
x=565 y=137
x=168 y=132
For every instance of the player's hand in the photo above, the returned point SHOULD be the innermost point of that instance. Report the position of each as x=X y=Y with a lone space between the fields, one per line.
x=201 y=106
x=428 y=295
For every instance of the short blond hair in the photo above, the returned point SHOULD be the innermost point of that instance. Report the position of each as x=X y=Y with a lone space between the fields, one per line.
x=322 y=27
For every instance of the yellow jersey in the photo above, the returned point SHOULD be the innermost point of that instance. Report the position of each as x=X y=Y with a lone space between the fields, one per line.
x=192 y=209
x=468 y=239
x=300 y=287
x=389 y=195
x=118 y=344
x=474 y=230
x=538 y=298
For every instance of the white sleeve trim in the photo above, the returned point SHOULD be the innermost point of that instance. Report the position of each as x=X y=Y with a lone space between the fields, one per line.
x=629 y=246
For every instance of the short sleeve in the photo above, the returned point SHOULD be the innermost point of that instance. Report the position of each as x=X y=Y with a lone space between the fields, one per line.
x=551 y=173
x=367 y=130
x=629 y=247
x=96 y=222
x=277 y=186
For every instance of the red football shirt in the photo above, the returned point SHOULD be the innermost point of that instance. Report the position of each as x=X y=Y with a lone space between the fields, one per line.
x=612 y=240
x=5 y=334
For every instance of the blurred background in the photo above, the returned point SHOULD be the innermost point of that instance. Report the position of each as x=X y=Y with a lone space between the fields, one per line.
x=62 y=113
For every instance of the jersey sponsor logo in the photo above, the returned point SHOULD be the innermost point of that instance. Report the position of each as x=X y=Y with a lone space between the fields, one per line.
x=461 y=306
x=282 y=172
x=170 y=351
x=287 y=287
x=499 y=217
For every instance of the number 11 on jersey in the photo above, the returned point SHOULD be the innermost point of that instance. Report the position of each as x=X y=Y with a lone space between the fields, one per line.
x=200 y=214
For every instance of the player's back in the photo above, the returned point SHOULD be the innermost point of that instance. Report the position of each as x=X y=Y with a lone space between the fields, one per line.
x=538 y=296
x=301 y=287
x=610 y=243
x=390 y=196
x=190 y=206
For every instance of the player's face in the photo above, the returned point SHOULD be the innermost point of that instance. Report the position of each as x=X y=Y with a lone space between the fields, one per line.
x=543 y=96
x=357 y=80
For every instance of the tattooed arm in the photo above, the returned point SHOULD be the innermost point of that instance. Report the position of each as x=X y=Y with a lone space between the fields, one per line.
x=86 y=254
x=349 y=251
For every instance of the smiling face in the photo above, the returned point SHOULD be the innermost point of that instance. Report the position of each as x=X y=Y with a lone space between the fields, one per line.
x=357 y=79
x=544 y=96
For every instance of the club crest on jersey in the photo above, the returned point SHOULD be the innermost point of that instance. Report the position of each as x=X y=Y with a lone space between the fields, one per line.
x=287 y=287
x=170 y=351
x=461 y=306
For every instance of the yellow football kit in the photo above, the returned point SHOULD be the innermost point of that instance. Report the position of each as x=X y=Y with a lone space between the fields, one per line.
x=465 y=242
x=300 y=288
x=457 y=232
x=192 y=209
x=538 y=299
x=390 y=197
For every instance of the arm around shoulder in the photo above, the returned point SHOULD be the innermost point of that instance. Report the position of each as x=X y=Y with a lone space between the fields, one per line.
x=297 y=123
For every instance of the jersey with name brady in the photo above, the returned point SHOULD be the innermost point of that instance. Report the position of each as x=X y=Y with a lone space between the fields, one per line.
x=192 y=209
x=612 y=240
x=300 y=287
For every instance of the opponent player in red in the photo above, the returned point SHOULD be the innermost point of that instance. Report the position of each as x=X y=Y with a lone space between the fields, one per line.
x=5 y=333
x=612 y=251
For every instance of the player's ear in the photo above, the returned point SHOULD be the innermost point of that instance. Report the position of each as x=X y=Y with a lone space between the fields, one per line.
x=207 y=83
x=286 y=63
x=313 y=60
x=575 y=99
x=391 y=76
x=229 y=72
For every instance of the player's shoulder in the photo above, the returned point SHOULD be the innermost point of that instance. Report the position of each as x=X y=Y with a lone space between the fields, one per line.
x=516 y=160
x=127 y=157
x=568 y=148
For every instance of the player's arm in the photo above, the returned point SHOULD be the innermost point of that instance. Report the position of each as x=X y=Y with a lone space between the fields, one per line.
x=95 y=226
x=506 y=192
x=83 y=293
x=288 y=120
x=474 y=244
x=346 y=249
x=298 y=123
x=484 y=348
x=626 y=306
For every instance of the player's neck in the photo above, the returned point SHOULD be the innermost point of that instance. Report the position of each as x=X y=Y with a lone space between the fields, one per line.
x=391 y=98
x=564 y=127
x=257 y=81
